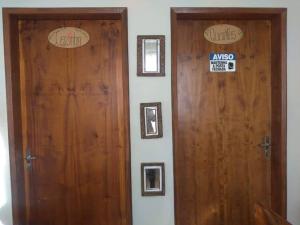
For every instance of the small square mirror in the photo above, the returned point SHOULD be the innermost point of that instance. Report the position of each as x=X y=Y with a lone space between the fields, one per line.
x=151 y=55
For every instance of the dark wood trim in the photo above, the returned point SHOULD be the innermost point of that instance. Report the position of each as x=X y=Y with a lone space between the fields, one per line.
x=161 y=193
x=14 y=116
x=174 y=100
x=140 y=55
x=159 y=120
x=265 y=216
x=227 y=13
x=277 y=16
x=124 y=19
x=65 y=13
x=279 y=113
x=11 y=16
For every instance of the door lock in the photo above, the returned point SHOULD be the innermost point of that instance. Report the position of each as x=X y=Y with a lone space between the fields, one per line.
x=266 y=146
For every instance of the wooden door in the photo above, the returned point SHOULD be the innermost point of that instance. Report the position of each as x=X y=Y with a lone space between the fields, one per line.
x=74 y=118
x=219 y=122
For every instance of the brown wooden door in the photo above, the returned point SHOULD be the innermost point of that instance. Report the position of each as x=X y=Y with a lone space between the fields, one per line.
x=75 y=125
x=219 y=121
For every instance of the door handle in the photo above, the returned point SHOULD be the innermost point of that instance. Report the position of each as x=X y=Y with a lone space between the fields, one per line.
x=266 y=146
x=28 y=158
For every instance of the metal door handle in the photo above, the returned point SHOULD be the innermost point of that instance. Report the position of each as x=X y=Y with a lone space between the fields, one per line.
x=266 y=146
x=28 y=158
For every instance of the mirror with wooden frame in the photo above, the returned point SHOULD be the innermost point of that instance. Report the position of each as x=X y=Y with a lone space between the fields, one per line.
x=151 y=55
x=153 y=179
x=151 y=120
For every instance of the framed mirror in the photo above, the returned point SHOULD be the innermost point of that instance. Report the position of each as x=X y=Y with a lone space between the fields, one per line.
x=151 y=55
x=153 y=179
x=151 y=120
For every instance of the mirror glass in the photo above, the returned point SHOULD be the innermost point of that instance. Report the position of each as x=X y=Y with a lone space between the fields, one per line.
x=151 y=58
x=151 y=120
x=152 y=177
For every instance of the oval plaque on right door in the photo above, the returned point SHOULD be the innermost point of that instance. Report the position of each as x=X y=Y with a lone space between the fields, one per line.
x=223 y=34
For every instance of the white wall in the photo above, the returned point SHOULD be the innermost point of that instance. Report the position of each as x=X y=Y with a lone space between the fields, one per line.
x=153 y=17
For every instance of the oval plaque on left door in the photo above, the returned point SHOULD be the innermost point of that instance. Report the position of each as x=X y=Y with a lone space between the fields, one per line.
x=68 y=37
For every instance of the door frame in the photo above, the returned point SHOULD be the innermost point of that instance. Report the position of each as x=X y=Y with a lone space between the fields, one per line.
x=11 y=16
x=278 y=18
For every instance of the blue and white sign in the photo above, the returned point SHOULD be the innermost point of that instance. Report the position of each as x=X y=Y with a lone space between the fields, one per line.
x=222 y=62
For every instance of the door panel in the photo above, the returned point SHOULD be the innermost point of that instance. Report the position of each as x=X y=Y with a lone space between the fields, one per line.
x=74 y=121
x=220 y=119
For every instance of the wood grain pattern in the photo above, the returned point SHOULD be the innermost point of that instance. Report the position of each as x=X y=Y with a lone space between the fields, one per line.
x=265 y=216
x=219 y=172
x=74 y=118
x=75 y=124
x=220 y=126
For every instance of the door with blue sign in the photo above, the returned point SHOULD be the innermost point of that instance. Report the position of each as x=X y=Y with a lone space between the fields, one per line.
x=226 y=96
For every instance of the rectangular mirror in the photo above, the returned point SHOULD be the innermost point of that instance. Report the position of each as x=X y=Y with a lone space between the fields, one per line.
x=150 y=114
x=151 y=55
x=153 y=179
x=151 y=120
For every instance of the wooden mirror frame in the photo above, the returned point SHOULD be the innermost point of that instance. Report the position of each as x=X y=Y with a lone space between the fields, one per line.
x=143 y=120
x=153 y=193
x=140 y=64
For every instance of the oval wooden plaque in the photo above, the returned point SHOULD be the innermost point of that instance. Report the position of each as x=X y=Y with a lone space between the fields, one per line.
x=223 y=34
x=68 y=37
